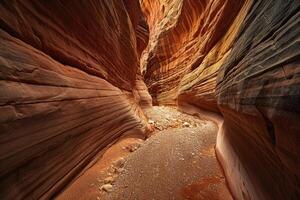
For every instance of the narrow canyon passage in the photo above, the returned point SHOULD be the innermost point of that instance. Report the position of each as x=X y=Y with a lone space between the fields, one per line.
x=149 y=99
x=176 y=162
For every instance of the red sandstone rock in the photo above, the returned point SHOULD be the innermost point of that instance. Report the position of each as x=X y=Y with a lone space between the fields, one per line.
x=85 y=34
x=184 y=51
x=70 y=85
x=68 y=73
x=258 y=94
x=239 y=59
x=142 y=95
x=139 y=24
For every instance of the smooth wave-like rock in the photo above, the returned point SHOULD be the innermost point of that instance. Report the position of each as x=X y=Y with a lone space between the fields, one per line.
x=258 y=94
x=185 y=51
x=69 y=87
x=72 y=82
x=241 y=60
x=86 y=35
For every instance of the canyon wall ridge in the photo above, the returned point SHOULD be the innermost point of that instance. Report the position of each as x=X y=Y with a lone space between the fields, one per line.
x=70 y=85
x=76 y=75
x=240 y=60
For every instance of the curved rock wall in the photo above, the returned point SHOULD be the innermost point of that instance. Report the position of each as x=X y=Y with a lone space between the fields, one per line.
x=139 y=24
x=258 y=94
x=183 y=44
x=69 y=86
x=239 y=59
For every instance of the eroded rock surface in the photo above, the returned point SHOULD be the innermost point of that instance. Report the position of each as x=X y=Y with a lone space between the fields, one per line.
x=258 y=93
x=72 y=81
x=69 y=87
x=239 y=59
x=187 y=43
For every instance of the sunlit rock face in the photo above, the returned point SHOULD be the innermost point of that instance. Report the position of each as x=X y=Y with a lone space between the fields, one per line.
x=186 y=46
x=72 y=81
x=239 y=59
x=70 y=85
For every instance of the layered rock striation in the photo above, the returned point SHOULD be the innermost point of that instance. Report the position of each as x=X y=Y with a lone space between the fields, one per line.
x=241 y=60
x=258 y=93
x=185 y=45
x=70 y=85
x=72 y=81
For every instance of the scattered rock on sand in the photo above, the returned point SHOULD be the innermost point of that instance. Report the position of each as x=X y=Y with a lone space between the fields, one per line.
x=119 y=163
x=107 y=188
x=119 y=170
x=133 y=147
x=151 y=121
x=109 y=179
x=186 y=124
x=159 y=128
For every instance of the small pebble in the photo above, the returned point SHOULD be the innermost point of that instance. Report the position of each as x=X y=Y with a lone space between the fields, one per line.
x=151 y=121
x=107 y=188
x=119 y=163
x=186 y=124
x=109 y=180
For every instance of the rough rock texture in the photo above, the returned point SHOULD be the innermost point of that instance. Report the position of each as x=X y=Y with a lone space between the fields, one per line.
x=69 y=86
x=239 y=59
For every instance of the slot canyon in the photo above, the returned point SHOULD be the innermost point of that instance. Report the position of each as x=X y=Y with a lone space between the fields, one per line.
x=150 y=99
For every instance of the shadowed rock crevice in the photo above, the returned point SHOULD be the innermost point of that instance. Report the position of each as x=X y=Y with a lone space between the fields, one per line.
x=75 y=77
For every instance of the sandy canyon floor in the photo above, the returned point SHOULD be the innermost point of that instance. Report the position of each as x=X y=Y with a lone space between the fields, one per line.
x=176 y=162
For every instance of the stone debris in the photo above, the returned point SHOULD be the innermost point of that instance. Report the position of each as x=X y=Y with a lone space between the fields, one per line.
x=133 y=147
x=151 y=121
x=186 y=124
x=119 y=163
x=106 y=188
x=119 y=170
x=162 y=118
x=109 y=179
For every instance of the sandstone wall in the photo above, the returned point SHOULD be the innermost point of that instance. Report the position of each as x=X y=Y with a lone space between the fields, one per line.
x=239 y=59
x=68 y=82
x=185 y=51
x=258 y=93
